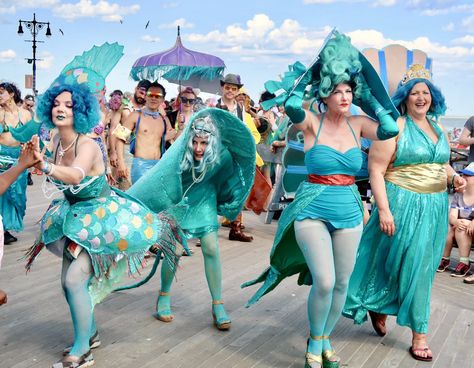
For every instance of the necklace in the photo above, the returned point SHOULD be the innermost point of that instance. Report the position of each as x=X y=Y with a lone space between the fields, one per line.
x=62 y=151
x=200 y=177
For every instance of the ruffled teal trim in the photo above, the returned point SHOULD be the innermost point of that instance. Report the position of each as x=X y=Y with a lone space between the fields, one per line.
x=174 y=72
x=272 y=278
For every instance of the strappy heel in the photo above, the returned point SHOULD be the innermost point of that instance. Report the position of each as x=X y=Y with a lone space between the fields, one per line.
x=163 y=315
x=94 y=342
x=222 y=323
x=70 y=361
x=330 y=359
x=312 y=360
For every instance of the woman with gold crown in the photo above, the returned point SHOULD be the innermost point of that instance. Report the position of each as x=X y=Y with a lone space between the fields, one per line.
x=402 y=243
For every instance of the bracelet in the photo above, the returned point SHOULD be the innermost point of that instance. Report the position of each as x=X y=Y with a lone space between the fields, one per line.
x=47 y=168
x=51 y=170
x=452 y=179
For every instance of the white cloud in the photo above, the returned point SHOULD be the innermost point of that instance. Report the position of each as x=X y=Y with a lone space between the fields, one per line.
x=468 y=23
x=11 y=6
x=7 y=55
x=169 y=5
x=468 y=39
x=384 y=3
x=449 y=27
x=47 y=60
x=149 y=38
x=109 y=12
x=319 y=1
x=183 y=23
x=461 y=8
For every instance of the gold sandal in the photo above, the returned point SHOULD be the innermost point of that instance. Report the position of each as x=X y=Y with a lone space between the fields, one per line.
x=330 y=359
x=223 y=323
x=312 y=360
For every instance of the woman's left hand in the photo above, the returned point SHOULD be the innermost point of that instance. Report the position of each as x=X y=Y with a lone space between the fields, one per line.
x=459 y=183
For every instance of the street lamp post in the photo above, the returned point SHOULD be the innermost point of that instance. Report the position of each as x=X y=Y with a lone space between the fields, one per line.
x=34 y=26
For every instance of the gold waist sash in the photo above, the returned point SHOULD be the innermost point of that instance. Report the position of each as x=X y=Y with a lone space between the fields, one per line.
x=419 y=178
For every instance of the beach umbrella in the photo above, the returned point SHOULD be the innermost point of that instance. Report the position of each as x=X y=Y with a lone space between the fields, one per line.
x=182 y=66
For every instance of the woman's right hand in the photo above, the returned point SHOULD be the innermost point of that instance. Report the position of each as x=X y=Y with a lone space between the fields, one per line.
x=462 y=224
x=387 y=225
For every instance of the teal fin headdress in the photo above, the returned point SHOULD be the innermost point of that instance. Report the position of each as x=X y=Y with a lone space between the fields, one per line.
x=299 y=77
x=92 y=67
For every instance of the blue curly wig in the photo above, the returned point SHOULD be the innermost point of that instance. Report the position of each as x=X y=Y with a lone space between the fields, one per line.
x=85 y=107
x=438 y=105
x=338 y=63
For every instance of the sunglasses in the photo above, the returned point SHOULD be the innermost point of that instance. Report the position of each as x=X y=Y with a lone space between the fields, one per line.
x=228 y=87
x=188 y=100
x=154 y=95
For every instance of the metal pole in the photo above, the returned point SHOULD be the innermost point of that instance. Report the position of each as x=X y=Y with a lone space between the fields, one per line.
x=34 y=54
x=34 y=27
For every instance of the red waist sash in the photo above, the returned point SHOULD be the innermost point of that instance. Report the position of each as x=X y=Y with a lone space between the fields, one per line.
x=336 y=179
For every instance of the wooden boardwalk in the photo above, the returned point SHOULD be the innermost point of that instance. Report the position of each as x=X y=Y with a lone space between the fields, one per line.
x=35 y=324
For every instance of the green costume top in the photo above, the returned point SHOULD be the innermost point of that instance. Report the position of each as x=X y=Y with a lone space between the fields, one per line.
x=223 y=189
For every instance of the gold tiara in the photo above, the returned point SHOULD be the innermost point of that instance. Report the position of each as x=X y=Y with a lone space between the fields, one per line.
x=416 y=71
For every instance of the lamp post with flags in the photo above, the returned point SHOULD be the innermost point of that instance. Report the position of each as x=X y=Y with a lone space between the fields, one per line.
x=34 y=26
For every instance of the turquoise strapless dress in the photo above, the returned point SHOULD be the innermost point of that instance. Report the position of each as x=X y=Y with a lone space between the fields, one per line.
x=114 y=228
x=340 y=206
x=394 y=275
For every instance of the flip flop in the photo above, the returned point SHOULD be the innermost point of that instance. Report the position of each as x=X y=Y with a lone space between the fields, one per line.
x=417 y=357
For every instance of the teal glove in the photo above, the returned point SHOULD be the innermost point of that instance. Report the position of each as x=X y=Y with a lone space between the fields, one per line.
x=388 y=127
x=292 y=97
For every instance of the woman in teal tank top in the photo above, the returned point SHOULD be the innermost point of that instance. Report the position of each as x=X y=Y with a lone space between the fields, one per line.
x=100 y=232
x=403 y=241
x=319 y=232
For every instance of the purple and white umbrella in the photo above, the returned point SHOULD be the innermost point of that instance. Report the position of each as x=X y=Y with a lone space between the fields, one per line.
x=181 y=65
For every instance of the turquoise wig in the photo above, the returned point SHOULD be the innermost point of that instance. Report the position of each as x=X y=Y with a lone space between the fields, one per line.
x=438 y=105
x=85 y=107
x=211 y=156
x=338 y=63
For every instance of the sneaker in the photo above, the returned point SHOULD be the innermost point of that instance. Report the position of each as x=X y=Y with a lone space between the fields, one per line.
x=461 y=270
x=443 y=265
x=469 y=279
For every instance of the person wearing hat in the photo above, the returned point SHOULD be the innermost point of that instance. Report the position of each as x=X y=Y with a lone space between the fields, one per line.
x=461 y=226
x=319 y=232
x=404 y=238
x=230 y=86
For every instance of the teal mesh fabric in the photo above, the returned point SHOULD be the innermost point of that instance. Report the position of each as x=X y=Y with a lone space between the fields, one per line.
x=223 y=190
x=394 y=275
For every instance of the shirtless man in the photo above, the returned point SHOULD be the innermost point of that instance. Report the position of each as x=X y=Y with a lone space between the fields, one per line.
x=13 y=201
x=152 y=129
x=136 y=103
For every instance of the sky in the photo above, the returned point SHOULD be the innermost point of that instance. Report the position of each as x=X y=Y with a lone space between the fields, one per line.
x=257 y=39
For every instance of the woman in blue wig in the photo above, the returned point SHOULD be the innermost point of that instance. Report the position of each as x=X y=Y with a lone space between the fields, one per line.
x=100 y=233
x=319 y=232
x=404 y=239
x=215 y=161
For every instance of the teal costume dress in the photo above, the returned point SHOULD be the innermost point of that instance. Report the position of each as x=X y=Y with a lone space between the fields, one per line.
x=223 y=189
x=394 y=275
x=13 y=201
x=339 y=206
x=114 y=228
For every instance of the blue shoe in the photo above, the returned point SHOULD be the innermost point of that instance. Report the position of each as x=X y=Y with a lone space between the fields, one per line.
x=164 y=315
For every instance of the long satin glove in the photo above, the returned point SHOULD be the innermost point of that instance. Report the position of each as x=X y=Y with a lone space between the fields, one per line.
x=294 y=104
x=388 y=127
